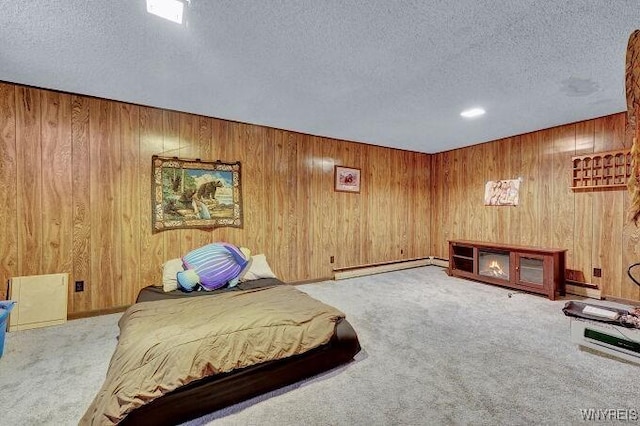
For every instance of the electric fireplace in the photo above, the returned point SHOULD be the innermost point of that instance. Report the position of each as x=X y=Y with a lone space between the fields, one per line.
x=533 y=269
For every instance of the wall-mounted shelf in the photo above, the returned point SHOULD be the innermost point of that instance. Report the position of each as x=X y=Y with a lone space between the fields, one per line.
x=610 y=169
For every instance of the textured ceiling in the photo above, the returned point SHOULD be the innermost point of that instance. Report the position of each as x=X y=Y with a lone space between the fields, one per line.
x=389 y=73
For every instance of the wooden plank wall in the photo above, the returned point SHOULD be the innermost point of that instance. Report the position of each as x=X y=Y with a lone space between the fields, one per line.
x=75 y=175
x=591 y=224
x=76 y=187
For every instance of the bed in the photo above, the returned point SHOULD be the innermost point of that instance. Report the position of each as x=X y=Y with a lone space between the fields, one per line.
x=222 y=386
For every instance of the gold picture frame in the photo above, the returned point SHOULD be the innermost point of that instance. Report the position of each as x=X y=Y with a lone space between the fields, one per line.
x=195 y=194
x=346 y=179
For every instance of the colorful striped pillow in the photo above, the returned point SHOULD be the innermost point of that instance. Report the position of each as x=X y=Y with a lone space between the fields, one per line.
x=212 y=266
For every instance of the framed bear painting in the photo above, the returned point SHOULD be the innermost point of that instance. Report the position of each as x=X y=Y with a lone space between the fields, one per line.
x=195 y=194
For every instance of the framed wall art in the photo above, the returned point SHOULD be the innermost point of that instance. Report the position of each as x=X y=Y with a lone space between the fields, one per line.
x=346 y=179
x=195 y=194
x=502 y=192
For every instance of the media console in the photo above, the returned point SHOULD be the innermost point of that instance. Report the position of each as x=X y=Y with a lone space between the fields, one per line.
x=533 y=269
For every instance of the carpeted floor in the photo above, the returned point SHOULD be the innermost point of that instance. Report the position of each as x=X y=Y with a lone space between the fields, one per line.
x=436 y=350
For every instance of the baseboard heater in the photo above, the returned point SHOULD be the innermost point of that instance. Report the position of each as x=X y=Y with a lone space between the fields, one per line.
x=378 y=268
x=615 y=340
x=582 y=289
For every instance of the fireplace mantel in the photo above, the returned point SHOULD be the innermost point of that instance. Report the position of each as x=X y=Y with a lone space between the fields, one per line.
x=533 y=269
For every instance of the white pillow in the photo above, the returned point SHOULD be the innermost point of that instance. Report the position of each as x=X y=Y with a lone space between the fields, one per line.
x=258 y=268
x=170 y=271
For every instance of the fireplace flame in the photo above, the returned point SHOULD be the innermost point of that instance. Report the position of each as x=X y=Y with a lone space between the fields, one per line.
x=495 y=269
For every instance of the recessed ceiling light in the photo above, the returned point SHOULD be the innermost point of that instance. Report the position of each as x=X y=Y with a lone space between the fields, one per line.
x=171 y=10
x=473 y=112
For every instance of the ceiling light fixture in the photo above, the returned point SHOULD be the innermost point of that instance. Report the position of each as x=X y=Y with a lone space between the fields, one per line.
x=472 y=113
x=172 y=10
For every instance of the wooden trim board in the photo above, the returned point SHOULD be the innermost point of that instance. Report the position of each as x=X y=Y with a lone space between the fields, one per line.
x=439 y=262
x=97 y=312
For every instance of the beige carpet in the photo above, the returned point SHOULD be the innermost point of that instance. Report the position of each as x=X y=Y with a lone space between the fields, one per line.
x=436 y=350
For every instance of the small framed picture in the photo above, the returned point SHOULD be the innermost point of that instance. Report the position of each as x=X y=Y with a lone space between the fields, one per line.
x=347 y=179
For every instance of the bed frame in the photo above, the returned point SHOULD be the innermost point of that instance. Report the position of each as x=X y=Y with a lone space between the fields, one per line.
x=219 y=391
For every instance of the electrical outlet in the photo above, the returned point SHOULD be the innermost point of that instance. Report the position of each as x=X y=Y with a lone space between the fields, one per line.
x=597 y=272
x=79 y=286
x=332 y=259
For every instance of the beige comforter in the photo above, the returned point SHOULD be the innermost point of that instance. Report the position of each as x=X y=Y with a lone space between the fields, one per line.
x=166 y=344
